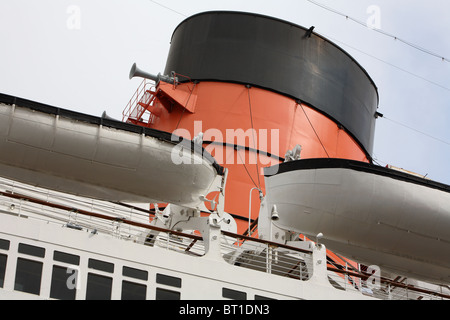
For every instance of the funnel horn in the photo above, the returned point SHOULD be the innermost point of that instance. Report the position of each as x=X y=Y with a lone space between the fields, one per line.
x=105 y=116
x=136 y=72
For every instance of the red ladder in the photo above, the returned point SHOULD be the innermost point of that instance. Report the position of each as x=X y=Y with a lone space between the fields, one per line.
x=143 y=100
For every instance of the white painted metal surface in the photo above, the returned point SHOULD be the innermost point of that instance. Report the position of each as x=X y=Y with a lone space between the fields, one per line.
x=204 y=266
x=203 y=278
x=84 y=159
x=402 y=227
x=100 y=162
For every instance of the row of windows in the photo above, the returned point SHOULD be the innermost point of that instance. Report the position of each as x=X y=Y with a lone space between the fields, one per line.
x=28 y=278
x=240 y=295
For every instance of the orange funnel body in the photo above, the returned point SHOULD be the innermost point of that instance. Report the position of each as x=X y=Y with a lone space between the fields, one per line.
x=256 y=87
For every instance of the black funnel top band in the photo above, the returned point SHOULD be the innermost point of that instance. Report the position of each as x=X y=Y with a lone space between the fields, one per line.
x=279 y=56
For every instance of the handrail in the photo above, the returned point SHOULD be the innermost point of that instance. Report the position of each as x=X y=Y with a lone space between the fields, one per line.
x=362 y=275
x=135 y=99
x=365 y=276
x=144 y=225
x=99 y=215
x=195 y=238
x=270 y=243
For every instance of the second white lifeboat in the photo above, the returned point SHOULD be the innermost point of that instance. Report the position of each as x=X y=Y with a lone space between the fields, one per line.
x=375 y=215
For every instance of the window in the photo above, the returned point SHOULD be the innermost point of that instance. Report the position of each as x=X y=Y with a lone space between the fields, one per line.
x=3 y=259
x=135 y=273
x=62 y=286
x=28 y=276
x=101 y=265
x=31 y=250
x=164 y=294
x=258 y=297
x=133 y=291
x=168 y=280
x=233 y=294
x=98 y=287
x=4 y=244
x=66 y=257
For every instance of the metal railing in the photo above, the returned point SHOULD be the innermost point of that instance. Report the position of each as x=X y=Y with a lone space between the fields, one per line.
x=386 y=289
x=266 y=256
x=134 y=110
x=120 y=221
x=132 y=224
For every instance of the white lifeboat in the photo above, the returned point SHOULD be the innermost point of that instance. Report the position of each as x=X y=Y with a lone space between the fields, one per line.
x=100 y=158
x=375 y=215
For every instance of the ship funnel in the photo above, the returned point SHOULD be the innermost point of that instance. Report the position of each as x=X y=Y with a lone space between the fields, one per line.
x=251 y=79
x=136 y=72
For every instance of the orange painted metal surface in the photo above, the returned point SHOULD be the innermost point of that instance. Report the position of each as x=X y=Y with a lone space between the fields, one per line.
x=253 y=118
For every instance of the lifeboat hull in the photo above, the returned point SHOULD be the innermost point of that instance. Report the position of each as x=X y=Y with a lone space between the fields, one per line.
x=375 y=215
x=99 y=158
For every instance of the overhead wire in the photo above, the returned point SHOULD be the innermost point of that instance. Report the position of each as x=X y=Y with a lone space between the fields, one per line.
x=365 y=53
x=168 y=8
x=364 y=24
x=377 y=160
x=392 y=65
x=417 y=131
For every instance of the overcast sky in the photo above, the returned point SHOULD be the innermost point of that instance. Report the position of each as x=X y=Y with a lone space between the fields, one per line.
x=77 y=55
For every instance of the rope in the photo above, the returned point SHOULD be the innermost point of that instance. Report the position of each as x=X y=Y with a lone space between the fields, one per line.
x=185 y=106
x=253 y=134
x=245 y=167
x=315 y=132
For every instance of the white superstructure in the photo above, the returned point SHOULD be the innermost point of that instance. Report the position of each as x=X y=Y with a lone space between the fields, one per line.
x=56 y=243
x=100 y=250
